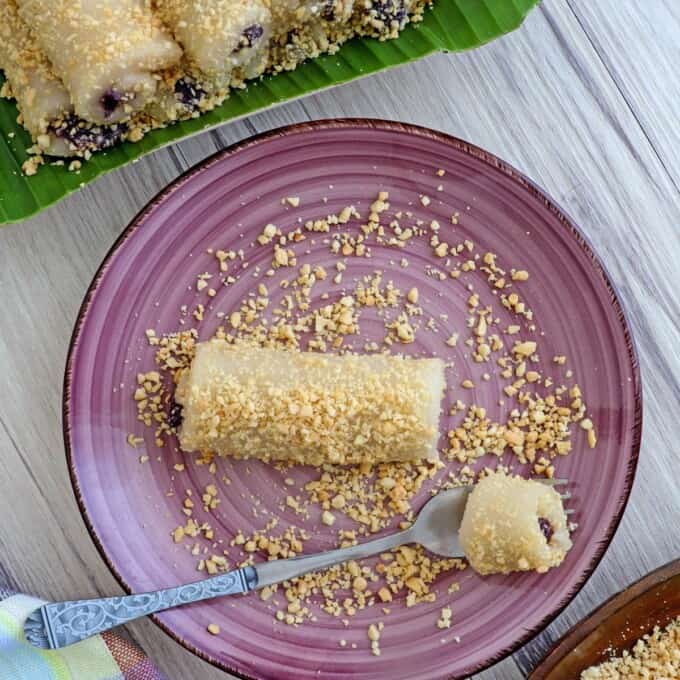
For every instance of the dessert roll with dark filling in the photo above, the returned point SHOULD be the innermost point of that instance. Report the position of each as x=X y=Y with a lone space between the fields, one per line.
x=108 y=53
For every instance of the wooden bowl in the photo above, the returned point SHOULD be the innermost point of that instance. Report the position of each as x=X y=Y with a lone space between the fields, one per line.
x=616 y=625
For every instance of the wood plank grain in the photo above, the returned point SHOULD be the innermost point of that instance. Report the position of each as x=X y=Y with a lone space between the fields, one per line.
x=544 y=99
x=639 y=44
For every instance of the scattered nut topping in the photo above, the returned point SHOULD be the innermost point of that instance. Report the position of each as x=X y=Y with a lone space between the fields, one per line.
x=373 y=633
x=538 y=420
x=445 y=618
x=656 y=655
x=133 y=440
x=268 y=233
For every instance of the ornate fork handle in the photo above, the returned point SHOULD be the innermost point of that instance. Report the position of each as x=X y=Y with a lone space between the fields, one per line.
x=60 y=624
x=69 y=622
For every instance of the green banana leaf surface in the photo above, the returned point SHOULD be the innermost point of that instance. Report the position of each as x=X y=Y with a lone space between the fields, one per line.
x=450 y=25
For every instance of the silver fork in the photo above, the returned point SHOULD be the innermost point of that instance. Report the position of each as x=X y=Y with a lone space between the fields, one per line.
x=60 y=624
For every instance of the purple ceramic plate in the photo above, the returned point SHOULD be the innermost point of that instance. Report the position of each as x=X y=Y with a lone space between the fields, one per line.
x=130 y=508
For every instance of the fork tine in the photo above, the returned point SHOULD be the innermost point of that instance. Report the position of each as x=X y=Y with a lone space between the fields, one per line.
x=569 y=511
x=566 y=495
x=553 y=482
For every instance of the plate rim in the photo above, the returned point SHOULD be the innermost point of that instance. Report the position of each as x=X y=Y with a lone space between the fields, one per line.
x=468 y=148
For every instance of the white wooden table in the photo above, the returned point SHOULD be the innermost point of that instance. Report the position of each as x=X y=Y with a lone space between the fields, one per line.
x=584 y=98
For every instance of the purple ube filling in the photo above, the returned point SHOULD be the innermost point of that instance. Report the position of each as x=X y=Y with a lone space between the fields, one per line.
x=175 y=417
x=88 y=138
x=328 y=10
x=388 y=11
x=189 y=93
x=250 y=36
x=110 y=101
x=546 y=528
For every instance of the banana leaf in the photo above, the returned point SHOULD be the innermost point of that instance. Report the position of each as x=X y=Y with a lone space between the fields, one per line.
x=450 y=25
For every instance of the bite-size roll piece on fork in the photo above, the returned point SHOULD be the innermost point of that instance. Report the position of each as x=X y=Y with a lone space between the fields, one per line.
x=106 y=52
x=42 y=99
x=310 y=408
x=514 y=524
x=224 y=40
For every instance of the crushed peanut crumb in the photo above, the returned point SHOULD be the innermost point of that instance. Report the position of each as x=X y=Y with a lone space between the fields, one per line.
x=656 y=655
x=537 y=424
x=445 y=618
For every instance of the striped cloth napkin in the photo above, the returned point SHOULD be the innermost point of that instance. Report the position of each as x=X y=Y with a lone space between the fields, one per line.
x=105 y=657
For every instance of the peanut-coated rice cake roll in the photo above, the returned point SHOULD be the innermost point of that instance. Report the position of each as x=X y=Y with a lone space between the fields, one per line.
x=42 y=99
x=310 y=408
x=221 y=38
x=106 y=52
x=514 y=524
x=289 y=14
x=305 y=29
x=41 y=96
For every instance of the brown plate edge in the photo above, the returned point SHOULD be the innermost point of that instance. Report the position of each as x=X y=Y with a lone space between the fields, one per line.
x=465 y=147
